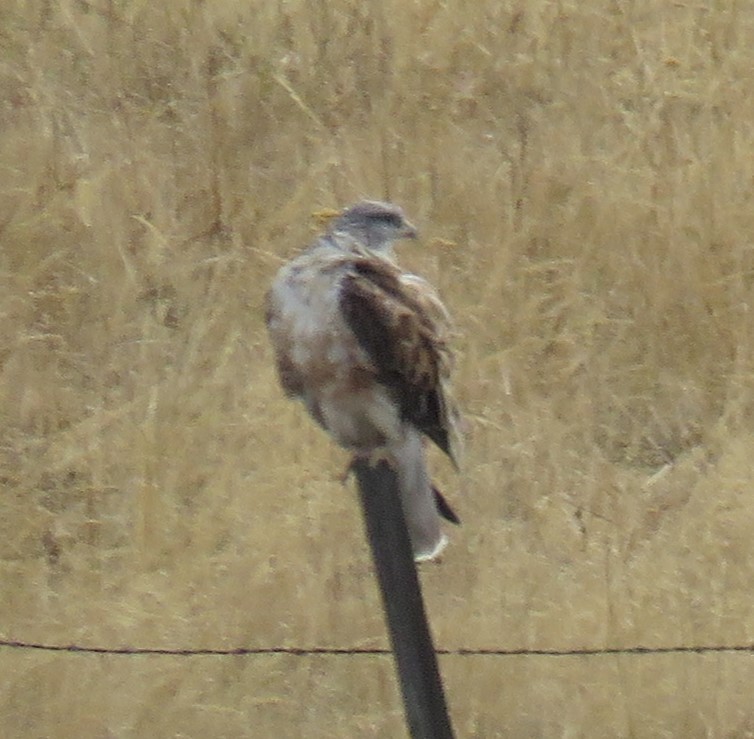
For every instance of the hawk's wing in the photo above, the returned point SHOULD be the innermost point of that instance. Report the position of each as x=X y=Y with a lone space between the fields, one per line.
x=400 y=322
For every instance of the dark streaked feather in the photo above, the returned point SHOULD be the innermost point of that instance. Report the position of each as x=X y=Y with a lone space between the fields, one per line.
x=402 y=341
x=443 y=507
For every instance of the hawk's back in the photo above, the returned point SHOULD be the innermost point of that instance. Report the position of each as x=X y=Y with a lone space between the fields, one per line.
x=318 y=357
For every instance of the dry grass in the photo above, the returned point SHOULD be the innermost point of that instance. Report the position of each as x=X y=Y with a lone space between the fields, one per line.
x=594 y=163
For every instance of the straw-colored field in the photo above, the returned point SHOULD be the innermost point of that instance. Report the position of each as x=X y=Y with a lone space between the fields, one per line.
x=583 y=174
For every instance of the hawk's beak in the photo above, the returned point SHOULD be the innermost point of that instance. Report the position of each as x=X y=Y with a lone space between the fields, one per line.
x=409 y=231
x=324 y=216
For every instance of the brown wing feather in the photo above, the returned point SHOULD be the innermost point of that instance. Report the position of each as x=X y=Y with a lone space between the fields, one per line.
x=404 y=343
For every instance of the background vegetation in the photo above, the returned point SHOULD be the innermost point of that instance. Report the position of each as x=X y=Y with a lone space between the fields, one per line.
x=583 y=175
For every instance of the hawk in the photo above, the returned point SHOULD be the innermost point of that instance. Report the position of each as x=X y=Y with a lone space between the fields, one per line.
x=364 y=345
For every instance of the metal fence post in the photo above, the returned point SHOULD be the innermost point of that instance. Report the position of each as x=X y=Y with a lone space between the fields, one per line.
x=416 y=661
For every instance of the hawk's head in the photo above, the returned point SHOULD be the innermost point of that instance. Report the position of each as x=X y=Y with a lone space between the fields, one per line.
x=376 y=224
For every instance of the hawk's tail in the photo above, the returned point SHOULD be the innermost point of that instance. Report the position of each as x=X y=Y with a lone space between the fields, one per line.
x=421 y=500
x=421 y=503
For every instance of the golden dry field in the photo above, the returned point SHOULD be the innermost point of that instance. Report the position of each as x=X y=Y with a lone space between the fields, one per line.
x=583 y=175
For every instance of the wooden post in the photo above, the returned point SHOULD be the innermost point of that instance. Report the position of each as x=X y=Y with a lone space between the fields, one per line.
x=416 y=662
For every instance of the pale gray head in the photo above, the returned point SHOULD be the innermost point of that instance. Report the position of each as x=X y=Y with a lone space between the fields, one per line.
x=375 y=224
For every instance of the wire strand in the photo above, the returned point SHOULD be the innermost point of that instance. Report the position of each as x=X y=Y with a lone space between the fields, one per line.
x=367 y=651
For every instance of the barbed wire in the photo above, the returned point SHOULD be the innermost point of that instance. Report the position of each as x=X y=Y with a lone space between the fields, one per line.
x=368 y=651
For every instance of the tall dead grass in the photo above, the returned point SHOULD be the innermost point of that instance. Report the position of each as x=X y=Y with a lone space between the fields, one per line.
x=593 y=163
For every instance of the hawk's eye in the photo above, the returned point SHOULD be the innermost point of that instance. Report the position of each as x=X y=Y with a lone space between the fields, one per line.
x=389 y=219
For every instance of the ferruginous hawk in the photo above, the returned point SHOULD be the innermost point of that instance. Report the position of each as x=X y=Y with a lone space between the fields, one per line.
x=364 y=345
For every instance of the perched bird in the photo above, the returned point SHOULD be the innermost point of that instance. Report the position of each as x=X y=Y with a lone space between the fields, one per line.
x=364 y=345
